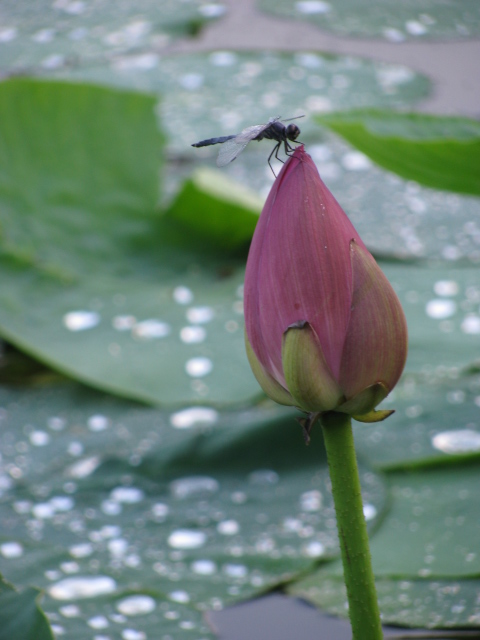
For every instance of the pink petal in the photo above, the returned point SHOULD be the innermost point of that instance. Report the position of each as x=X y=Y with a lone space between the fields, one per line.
x=375 y=348
x=299 y=266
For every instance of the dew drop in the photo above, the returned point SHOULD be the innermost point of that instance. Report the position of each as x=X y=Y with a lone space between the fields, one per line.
x=235 y=570
x=182 y=295
x=55 y=61
x=11 y=549
x=111 y=508
x=314 y=549
x=179 y=596
x=471 y=324
x=127 y=495
x=62 y=503
x=192 y=335
x=369 y=512
x=188 y=418
x=39 y=438
x=58 y=630
x=394 y=35
x=319 y=104
x=223 y=58
x=56 y=424
x=8 y=34
x=204 y=567
x=415 y=28
x=187 y=539
x=136 y=605
x=82 y=587
x=309 y=7
x=81 y=320
x=198 y=367
x=98 y=622
x=212 y=10
x=70 y=611
x=151 y=330
x=82 y=550
x=69 y=567
x=228 y=527
x=43 y=511
x=311 y=501
x=193 y=486
x=75 y=448
x=356 y=161
x=190 y=82
x=84 y=468
x=118 y=547
x=440 y=309
x=98 y=422
x=446 y=288
x=160 y=511
x=200 y=315
x=124 y=323
x=264 y=477
x=133 y=634
x=457 y=442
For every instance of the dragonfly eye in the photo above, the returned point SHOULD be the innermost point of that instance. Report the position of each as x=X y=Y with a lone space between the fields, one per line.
x=292 y=132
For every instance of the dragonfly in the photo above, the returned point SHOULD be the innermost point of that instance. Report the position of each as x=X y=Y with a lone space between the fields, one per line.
x=274 y=129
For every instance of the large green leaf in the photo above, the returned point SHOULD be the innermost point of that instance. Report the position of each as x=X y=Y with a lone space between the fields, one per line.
x=439 y=152
x=432 y=528
x=435 y=423
x=217 y=210
x=188 y=510
x=441 y=307
x=431 y=532
x=394 y=21
x=21 y=617
x=46 y=34
x=95 y=282
x=425 y=603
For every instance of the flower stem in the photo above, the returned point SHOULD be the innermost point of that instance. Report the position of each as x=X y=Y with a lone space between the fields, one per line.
x=352 y=529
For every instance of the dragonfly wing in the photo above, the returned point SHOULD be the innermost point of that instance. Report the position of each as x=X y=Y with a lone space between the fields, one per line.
x=234 y=147
x=230 y=150
x=250 y=133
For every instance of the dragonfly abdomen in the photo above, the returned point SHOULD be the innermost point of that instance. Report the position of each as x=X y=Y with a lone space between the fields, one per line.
x=207 y=143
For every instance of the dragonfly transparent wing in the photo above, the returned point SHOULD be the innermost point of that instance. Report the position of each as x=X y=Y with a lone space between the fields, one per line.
x=234 y=147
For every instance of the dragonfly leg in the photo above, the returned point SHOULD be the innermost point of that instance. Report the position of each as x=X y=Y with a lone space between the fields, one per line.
x=288 y=149
x=276 y=154
x=274 y=151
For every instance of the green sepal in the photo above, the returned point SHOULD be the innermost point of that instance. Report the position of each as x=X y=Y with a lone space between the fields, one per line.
x=306 y=371
x=365 y=401
x=271 y=387
x=375 y=416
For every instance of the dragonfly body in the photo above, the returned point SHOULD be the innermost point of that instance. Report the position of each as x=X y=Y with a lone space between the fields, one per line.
x=274 y=129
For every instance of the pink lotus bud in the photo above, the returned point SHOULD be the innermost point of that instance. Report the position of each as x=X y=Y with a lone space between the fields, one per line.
x=324 y=329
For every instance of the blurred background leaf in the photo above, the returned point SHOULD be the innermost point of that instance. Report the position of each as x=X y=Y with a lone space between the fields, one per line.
x=395 y=22
x=439 y=152
x=21 y=617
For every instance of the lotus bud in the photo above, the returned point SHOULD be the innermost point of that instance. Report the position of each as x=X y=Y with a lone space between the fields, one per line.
x=325 y=330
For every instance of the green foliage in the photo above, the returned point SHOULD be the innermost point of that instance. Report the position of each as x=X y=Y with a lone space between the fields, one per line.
x=390 y=20
x=85 y=236
x=439 y=152
x=21 y=617
x=101 y=284
x=216 y=211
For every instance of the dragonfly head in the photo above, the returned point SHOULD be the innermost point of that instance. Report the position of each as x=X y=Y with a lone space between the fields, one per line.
x=292 y=132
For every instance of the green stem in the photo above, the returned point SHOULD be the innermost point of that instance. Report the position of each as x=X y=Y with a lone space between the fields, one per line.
x=352 y=529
